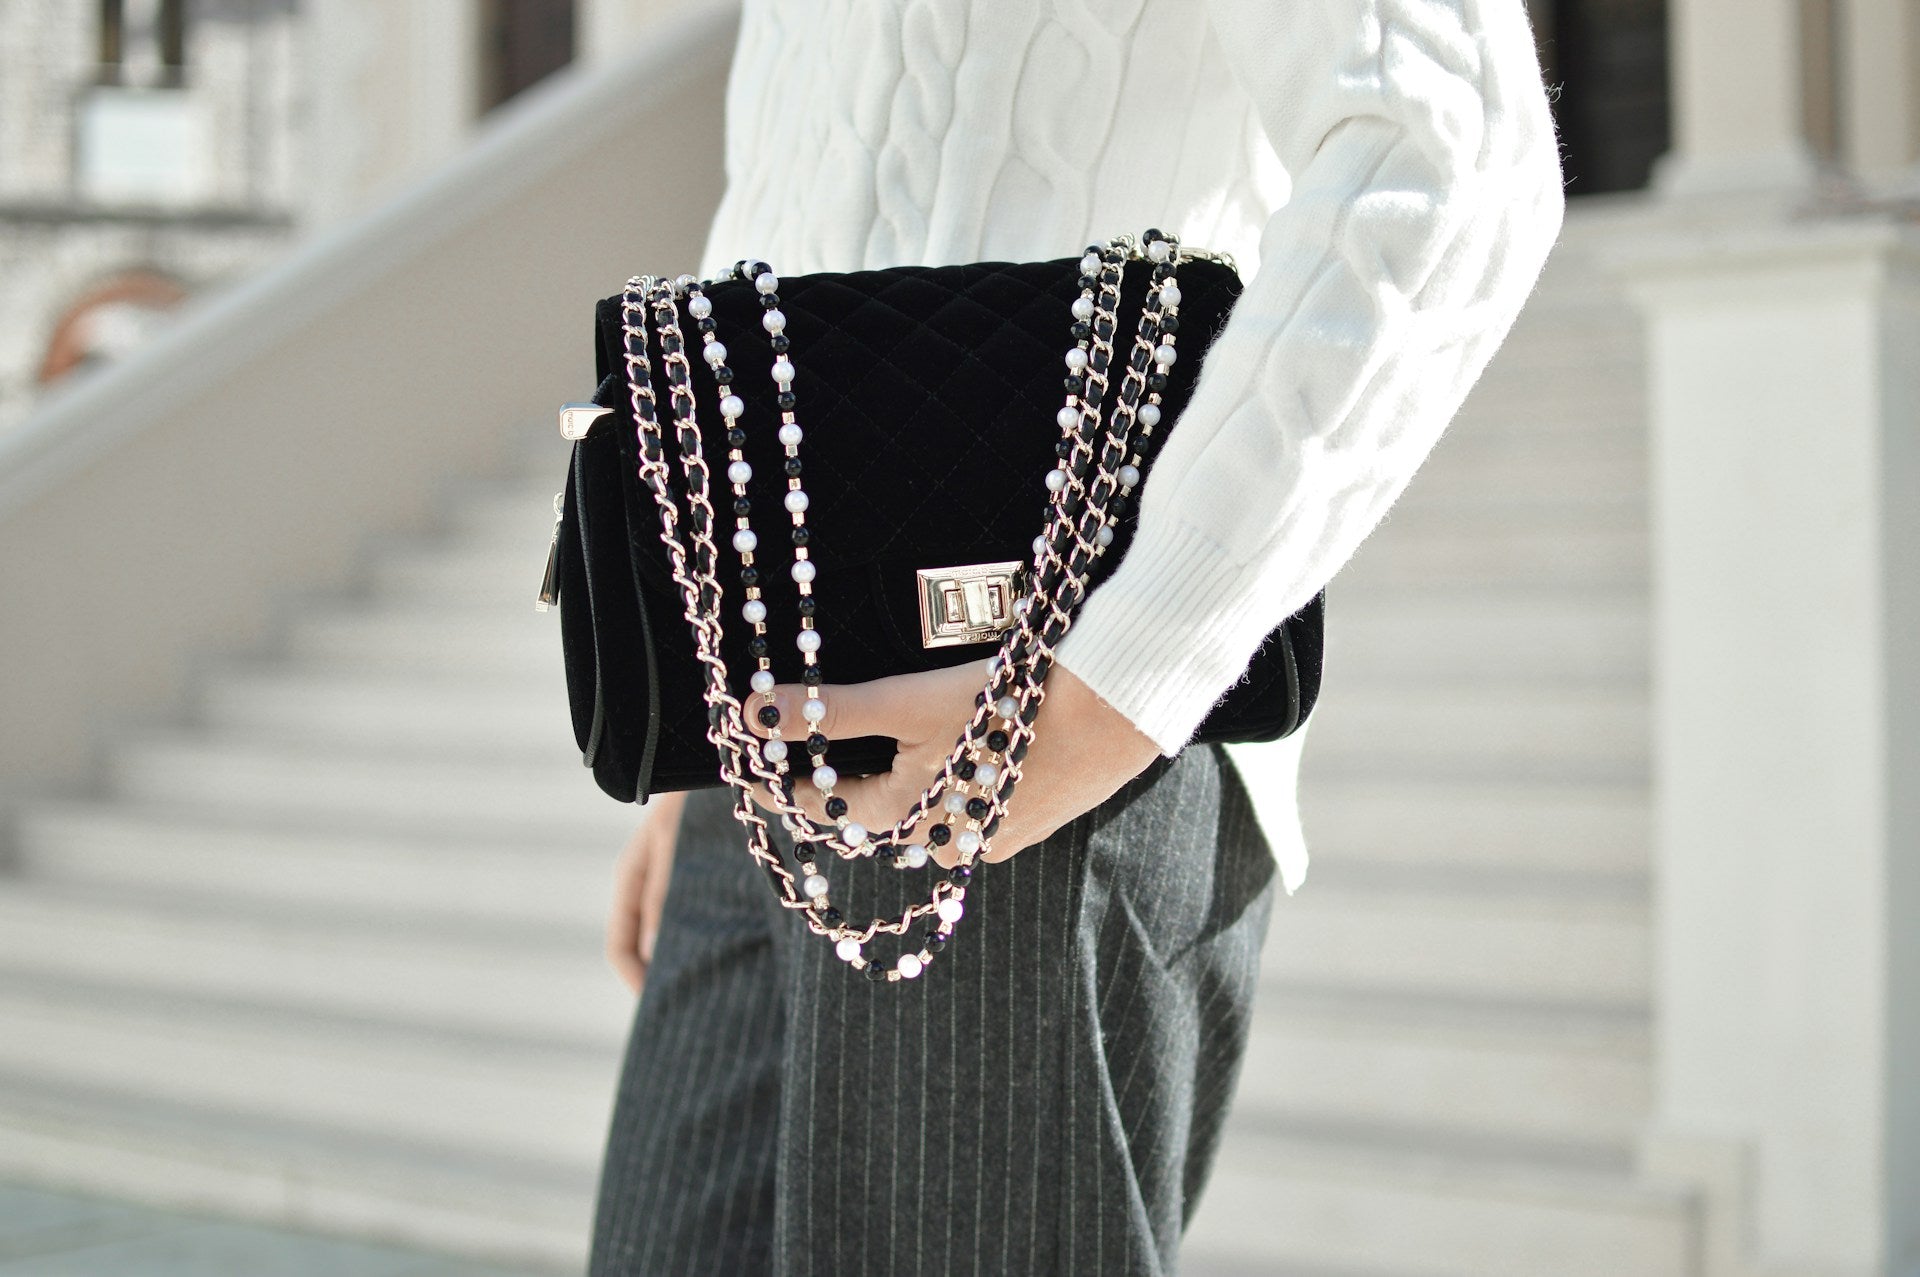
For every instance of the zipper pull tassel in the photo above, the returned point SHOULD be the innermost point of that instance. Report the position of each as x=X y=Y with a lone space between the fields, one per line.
x=550 y=583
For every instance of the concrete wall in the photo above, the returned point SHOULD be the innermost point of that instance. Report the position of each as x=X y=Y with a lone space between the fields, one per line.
x=154 y=510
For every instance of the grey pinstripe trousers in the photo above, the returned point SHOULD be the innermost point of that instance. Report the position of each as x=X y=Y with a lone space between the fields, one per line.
x=1045 y=1100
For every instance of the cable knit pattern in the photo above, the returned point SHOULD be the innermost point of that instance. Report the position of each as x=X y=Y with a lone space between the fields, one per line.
x=1385 y=171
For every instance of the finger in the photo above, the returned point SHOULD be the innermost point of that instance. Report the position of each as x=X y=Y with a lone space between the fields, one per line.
x=903 y=706
x=623 y=948
x=653 y=902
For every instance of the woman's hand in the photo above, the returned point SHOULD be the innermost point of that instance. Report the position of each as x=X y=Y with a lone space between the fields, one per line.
x=640 y=889
x=1083 y=750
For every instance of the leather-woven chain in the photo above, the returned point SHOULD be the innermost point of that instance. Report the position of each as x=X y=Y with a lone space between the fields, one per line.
x=1082 y=489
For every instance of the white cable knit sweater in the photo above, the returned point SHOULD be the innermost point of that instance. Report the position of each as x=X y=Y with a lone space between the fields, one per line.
x=1385 y=172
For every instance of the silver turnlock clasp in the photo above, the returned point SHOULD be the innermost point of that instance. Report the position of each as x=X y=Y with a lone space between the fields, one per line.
x=578 y=418
x=971 y=603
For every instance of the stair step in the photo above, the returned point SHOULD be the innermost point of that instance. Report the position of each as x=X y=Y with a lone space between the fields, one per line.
x=294 y=1175
x=479 y=641
x=1489 y=732
x=1570 y=638
x=548 y=984
x=460 y=1093
x=1565 y=1074
x=1583 y=828
x=1516 y=553
x=1348 y=1201
x=411 y=791
x=1569 y=940
x=489 y=715
x=559 y=876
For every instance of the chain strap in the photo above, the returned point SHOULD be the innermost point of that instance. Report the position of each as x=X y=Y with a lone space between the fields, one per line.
x=1087 y=491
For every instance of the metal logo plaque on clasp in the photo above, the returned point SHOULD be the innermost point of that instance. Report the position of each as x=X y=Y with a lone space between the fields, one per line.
x=971 y=603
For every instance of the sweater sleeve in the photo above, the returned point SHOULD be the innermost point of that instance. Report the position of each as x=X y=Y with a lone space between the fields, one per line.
x=1426 y=193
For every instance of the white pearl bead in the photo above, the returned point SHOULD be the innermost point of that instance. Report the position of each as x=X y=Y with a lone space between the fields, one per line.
x=1149 y=414
x=853 y=833
x=684 y=281
x=956 y=803
x=775 y=751
x=807 y=640
x=1006 y=707
x=1021 y=604
x=755 y=611
x=744 y=541
x=1083 y=308
x=803 y=570
x=762 y=680
x=739 y=472
x=909 y=966
x=732 y=406
x=1039 y=546
x=1056 y=479
x=949 y=909
x=1104 y=536
x=847 y=949
x=1076 y=359
x=1129 y=476
x=796 y=501
x=773 y=321
x=824 y=777
x=1164 y=355
x=815 y=886
x=1090 y=264
x=1067 y=418
x=813 y=709
x=968 y=841
x=767 y=282
x=985 y=774
x=716 y=353
x=783 y=370
x=791 y=434
x=1169 y=295
x=1158 y=250
x=700 y=307
x=915 y=854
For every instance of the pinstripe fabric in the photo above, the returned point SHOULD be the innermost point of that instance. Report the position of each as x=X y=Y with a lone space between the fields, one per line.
x=1047 y=1099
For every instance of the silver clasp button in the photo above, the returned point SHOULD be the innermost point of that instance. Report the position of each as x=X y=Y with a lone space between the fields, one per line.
x=971 y=603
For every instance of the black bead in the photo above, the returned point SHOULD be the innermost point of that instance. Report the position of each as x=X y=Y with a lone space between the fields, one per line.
x=786 y=400
x=801 y=534
x=749 y=576
x=792 y=467
x=1088 y=282
x=959 y=875
x=874 y=972
x=769 y=716
x=1081 y=330
x=965 y=769
x=1156 y=381
x=780 y=343
x=742 y=506
x=736 y=437
x=1118 y=507
x=1063 y=448
x=768 y=301
x=723 y=375
x=810 y=675
x=940 y=835
x=1152 y=233
x=997 y=741
x=756 y=268
x=808 y=606
x=1162 y=271
x=816 y=743
x=1075 y=384
x=934 y=939
x=836 y=807
x=757 y=645
x=704 y=325
x=1169 y=324
x=977 y=808
x=832 y=916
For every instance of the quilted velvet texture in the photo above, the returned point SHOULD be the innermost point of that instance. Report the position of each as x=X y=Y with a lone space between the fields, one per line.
x=928 y=397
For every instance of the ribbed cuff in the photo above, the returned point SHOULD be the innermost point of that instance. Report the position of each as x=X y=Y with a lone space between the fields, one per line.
x=1168 y=634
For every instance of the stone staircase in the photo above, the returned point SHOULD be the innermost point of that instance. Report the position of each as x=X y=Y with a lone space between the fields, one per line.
x=328 y=952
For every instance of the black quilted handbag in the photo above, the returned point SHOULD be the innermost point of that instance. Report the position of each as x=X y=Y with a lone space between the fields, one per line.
x=929 y=397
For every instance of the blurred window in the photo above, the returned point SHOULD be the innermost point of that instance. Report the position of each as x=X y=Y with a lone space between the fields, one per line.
x=143 y=42
x=524 y=41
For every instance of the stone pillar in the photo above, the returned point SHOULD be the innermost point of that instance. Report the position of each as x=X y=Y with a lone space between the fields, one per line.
x=1880 y=93
x=1739 y=110
x=1785 y=414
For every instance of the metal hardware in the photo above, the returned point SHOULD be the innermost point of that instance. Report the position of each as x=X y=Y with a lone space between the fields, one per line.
x=970 y=603
x=578 y=418
x=550 y=583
